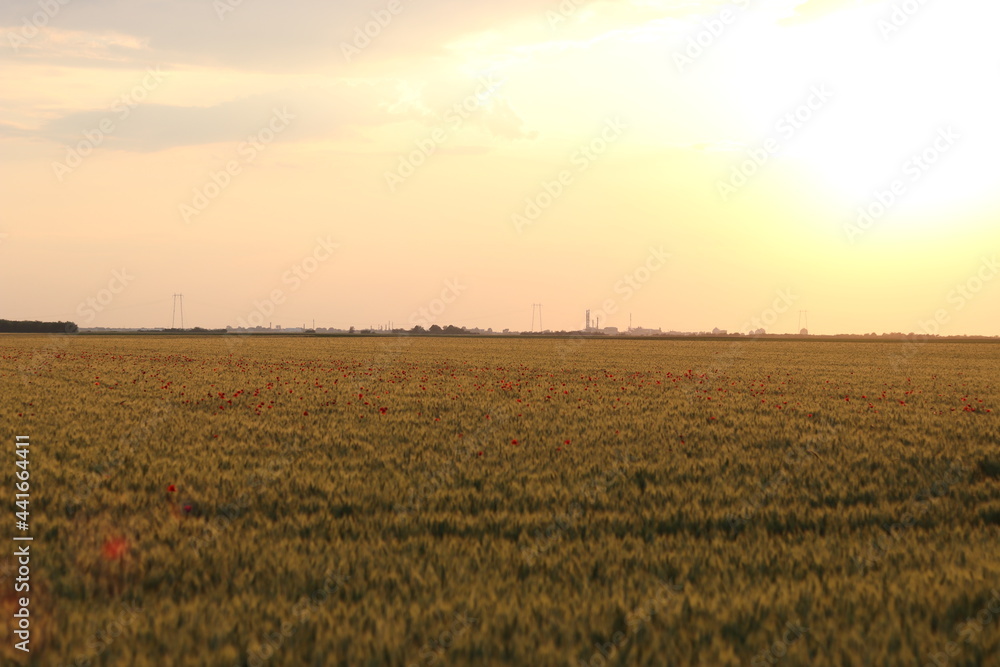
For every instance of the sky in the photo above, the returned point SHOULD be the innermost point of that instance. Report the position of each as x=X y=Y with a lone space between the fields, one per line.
x=678 y=164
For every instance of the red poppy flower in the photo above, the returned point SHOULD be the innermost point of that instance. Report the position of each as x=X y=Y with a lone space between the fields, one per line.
x=171 y=488
x=188 y=508
x=114 y=548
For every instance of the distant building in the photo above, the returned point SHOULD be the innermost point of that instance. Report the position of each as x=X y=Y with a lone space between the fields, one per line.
x=719 y=332
x=610 y=330
x=593 y=325
x=804 y=332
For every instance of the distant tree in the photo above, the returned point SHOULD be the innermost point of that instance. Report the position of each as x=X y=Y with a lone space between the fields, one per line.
x=452 y=329
x=33 y=326
x=351 y=330
x=435 y=329
x=417 y=329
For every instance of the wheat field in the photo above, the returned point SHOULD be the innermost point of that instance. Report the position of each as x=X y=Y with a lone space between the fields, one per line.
x=505 y=501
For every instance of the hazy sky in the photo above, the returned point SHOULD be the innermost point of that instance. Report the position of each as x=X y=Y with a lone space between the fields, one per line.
x=692 y=163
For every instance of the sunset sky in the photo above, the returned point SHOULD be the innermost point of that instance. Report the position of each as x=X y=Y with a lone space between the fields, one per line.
x=688 y=163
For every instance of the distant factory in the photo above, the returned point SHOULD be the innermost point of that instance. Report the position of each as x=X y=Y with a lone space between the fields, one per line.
x=594 y=326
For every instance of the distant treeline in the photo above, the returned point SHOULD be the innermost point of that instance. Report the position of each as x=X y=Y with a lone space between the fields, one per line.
x=435 y=329
x=12 y=326
x=451 y=330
